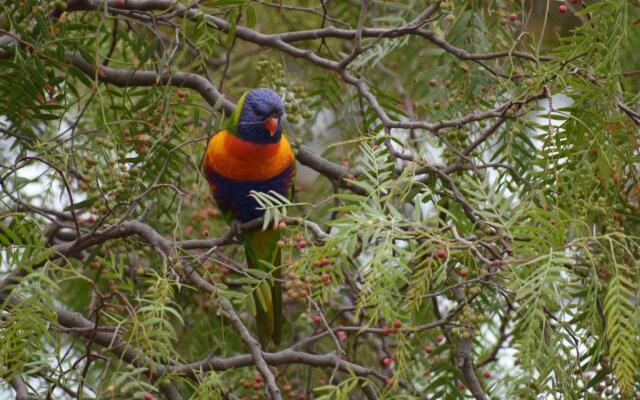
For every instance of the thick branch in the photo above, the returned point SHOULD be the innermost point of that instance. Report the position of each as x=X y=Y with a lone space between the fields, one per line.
x=22 y=391
x=466 y=354
x=126 y=78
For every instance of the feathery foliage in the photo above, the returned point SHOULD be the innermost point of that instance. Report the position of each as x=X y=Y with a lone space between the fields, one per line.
x=465 y=222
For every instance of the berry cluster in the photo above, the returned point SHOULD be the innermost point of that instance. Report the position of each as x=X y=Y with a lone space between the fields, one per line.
x=295 y=96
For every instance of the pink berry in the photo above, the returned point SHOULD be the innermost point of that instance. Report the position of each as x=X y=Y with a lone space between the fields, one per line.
x=147 y=396
x=326 y=278
x=428 y=349
x=317 y=319
x=563 y=8
x=442 y=254
x=487 y=374
x=397 y=324
x=387 y=361
x=302 y=244
x=342 y=335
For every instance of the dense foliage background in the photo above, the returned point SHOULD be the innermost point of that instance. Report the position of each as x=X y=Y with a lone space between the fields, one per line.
x=465 y=225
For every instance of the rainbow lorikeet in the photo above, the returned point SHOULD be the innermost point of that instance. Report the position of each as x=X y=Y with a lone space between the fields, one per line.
x=254 y=155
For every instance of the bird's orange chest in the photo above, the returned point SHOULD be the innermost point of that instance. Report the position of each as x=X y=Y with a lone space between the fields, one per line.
x=242 y=160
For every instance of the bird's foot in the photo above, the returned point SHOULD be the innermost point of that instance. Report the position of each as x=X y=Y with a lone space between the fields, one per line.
x=236 y=228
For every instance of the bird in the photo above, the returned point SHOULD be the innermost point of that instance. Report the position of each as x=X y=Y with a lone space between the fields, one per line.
x=253 y=155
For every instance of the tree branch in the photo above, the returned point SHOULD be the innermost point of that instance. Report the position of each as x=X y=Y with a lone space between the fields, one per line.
x=22 y=391
x=126 y=78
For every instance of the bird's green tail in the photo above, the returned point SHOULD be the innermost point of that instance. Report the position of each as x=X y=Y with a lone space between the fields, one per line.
x=262 y=245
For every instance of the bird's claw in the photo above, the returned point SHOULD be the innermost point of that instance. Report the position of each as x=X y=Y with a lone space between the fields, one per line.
x=236 y=228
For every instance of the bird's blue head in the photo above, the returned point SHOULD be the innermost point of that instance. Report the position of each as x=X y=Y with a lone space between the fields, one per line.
x=258 y=116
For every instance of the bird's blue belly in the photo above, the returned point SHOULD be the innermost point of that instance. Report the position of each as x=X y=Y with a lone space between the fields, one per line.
x=233 y=196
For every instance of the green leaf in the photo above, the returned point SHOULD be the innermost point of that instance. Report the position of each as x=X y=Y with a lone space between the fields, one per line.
x=82 y=205
x=250 y=15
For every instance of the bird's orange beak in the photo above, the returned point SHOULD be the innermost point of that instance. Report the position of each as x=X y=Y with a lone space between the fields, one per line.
x=271 y=124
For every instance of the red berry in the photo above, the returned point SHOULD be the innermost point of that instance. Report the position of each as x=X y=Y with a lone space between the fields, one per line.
x=188 y=229
x=317 y=319
x=397 y=324
x=147 y=396
x=575 y=1
x=325 y=261
x=302 y=244
x=441 y=339
x=326 y=278
x=182 y=94
x=513 y=17
x=487 y=374
x=460 y=385
x=428 y=349
x=563 y=8
x=463 y=272
x=387 y=361
x=386 y=330
x=603 y=273
x=342 y=335
x=442 y=254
